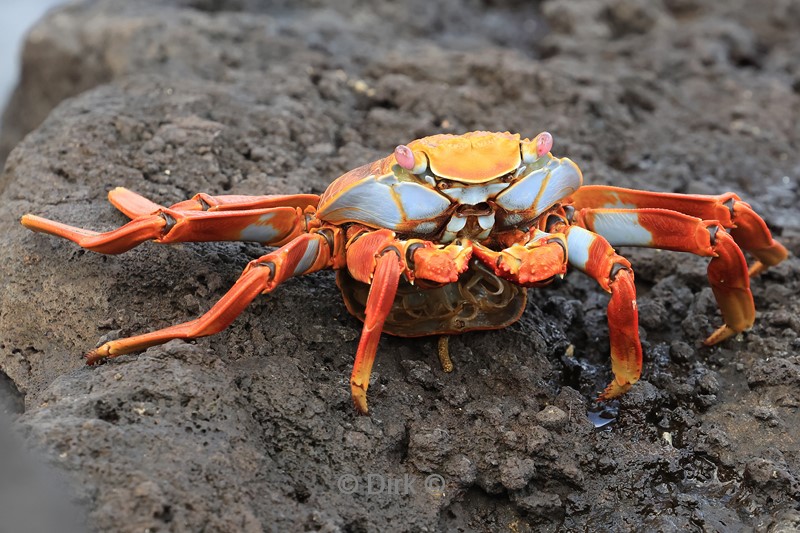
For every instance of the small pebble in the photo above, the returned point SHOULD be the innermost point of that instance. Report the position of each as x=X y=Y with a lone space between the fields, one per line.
x=551 y=417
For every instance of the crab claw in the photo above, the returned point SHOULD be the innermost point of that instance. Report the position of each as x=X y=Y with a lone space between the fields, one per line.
x=442 y=265
x=539 y=146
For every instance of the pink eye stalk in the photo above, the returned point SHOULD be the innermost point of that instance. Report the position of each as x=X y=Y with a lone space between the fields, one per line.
x=404 y=156
x=544 y=143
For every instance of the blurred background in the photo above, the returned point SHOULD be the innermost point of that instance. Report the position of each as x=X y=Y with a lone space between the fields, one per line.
x=16 y=16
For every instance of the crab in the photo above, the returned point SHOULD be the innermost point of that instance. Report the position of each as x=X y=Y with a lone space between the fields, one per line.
x=444 y=236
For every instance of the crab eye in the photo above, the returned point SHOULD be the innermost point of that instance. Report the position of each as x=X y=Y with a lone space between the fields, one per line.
x=414 y=162
x=544 y=143
x=404 y=156
x=539 y=146
x=443 y=184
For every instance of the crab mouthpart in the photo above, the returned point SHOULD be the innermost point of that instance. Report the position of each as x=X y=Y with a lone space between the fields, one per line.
x=481 y=209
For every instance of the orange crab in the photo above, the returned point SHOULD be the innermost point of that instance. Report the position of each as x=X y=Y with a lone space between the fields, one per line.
x=443 y=236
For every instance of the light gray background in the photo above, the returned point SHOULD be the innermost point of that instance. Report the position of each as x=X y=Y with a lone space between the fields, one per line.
x=16 y=17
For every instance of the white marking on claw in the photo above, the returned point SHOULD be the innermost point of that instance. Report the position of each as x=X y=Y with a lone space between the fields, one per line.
x=260 y=230
x=621 y=229
x=579 y=241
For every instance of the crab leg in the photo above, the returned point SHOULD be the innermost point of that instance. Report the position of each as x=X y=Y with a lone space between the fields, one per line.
x=135 y=205
x=272 y=225
x=670 y=230
x=528 y=264
x=385 y=279
x=593 y=255
x=747 y=228
x=373 y=257
x=307 y=253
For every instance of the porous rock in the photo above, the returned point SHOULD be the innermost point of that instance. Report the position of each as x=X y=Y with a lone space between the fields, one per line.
x=253 y=428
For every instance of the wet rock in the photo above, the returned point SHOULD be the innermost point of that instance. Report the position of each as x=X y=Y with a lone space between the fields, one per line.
x=644 y=396
x=775 y=371
x=653 y=315
x=767 y=414
x=712 y=441
x=787 y=522
x=773 y=477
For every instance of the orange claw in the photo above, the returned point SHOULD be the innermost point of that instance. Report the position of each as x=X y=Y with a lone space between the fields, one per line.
x=530 y=264
x=767 y=257
x=132 y=204
x=135 y=205
x=203 y=218
x=442 y=265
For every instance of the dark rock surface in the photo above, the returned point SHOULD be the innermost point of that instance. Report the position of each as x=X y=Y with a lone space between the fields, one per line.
x=253 y=428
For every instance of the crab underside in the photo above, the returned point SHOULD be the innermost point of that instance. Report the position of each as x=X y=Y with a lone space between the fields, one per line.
x=480 y=299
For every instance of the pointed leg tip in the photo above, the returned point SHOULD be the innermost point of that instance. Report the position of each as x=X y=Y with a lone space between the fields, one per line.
x=96 y=356
x=770 y=256
x=614 y=390
x=756 y=269
x=92 y=358
x=359 y=395
x=724 y=332
x=30 y=221
x=59 y=229
x=361 y=406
